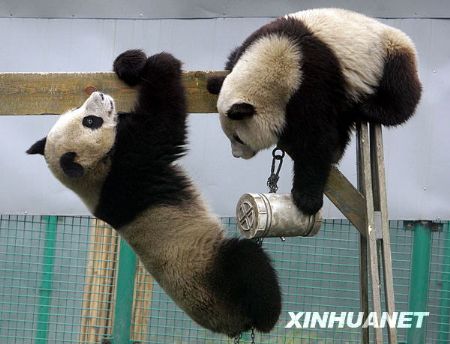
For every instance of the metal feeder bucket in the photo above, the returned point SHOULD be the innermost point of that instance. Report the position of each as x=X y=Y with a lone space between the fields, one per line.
x=274 y=215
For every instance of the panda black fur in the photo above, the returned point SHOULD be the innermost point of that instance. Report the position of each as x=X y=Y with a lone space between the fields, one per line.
x=303 y=81
x=123 y=168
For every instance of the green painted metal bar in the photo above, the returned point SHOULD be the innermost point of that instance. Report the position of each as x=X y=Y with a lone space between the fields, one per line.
x=124 y=295
x=444 y=314
x=45 y=290
x=245 y=337
x=419 y=283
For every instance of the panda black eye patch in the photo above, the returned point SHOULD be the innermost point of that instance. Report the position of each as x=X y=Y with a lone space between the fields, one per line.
x=92 y=122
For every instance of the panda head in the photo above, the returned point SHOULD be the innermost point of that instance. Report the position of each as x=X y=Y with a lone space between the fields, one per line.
x=253 y=97
x=78 y=146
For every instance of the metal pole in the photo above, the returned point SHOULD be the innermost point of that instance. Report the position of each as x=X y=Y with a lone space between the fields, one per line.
x=45 y=291
x=420 y=270
x=124 y=294
x=444 y=315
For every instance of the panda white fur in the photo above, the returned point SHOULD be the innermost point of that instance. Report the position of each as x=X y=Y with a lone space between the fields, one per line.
x=303 y=81
x=122 y=165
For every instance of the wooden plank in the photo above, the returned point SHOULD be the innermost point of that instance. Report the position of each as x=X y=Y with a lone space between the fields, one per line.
x=347 y=199
x=363 y=286
x=142 y=300
x=365 y=185
x=377 y=159
x=363 y=248
x=55 y=93
x=97 y=307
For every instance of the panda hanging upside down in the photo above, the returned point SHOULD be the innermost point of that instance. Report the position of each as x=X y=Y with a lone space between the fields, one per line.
x=302 y=82
x=122 y=165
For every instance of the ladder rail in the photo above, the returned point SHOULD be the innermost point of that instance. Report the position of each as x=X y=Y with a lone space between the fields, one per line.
x=365 y=176
x=380 y=202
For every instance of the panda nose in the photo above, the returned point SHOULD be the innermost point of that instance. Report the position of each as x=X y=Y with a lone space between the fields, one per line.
x=98 y=95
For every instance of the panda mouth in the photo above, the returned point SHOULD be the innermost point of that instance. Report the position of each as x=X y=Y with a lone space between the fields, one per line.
x=238 y=140
x=111 y=109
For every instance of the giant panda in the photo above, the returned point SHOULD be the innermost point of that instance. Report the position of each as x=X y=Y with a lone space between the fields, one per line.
x=303 y=80
x=123 y=166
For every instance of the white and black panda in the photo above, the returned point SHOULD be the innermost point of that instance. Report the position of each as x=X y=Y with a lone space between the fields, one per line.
x=122 y=165
x=303 y=80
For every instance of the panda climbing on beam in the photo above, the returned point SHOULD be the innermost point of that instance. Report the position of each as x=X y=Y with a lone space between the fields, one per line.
x=123 y=166
x=302 y=81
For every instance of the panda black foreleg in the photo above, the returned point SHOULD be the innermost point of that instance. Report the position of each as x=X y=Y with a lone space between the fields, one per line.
x=312 y=165
x=308 y=186
x=129 y=65
x=161 y=101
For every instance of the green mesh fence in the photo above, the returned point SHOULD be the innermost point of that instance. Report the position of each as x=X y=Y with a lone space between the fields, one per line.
x=58 y=278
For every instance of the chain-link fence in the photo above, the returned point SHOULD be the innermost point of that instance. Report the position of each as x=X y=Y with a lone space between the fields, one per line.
x=58 y=278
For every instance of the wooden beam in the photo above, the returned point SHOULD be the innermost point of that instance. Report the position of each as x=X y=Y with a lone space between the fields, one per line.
x=365 y=184
x=142 y=304
x=99 y=285
x=380 y=204
x=347 y=199
x=55 y=93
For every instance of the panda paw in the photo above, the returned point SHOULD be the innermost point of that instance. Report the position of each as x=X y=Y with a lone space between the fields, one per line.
x=308 y=204
x=129 y=66
x=162 y=66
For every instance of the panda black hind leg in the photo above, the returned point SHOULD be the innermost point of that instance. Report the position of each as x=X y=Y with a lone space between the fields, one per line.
x=244 y=276
x=313 y=153
x=397 y=94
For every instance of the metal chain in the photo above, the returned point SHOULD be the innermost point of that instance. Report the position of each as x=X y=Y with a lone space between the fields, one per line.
x=272 y=181
x=237 y=339
x=259 y=241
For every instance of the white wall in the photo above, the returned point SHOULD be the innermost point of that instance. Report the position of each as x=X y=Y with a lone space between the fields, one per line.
x=417 y=157
x=158 y=9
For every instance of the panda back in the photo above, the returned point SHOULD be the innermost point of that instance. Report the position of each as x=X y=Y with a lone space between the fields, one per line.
x=360 y=43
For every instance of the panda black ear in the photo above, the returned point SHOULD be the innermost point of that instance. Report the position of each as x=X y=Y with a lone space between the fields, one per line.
x=38 y=147
x=214 y=84
x=240 y=111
